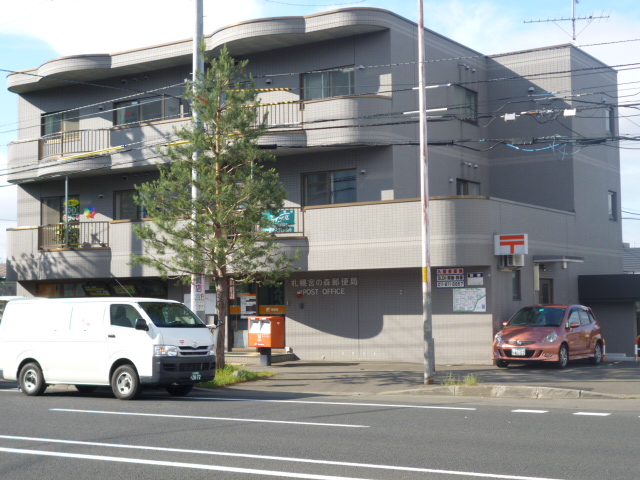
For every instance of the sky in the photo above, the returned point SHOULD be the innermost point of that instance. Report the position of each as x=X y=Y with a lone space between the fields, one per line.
x=35 y=31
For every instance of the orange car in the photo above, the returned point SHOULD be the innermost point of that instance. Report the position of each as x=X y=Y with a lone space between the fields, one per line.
x=549 y=333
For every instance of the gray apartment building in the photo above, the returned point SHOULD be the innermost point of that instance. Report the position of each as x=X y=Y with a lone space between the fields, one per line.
x=524 y=185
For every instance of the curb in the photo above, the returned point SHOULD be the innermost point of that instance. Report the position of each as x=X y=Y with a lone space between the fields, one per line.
x=507 y=391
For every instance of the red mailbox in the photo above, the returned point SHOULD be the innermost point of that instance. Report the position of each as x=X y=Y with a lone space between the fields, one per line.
x=266 y=332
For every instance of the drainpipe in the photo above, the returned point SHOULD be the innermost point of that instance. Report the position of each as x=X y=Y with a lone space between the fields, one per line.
x=66 y=210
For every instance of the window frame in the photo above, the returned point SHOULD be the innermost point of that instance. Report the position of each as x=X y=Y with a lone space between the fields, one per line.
x=327 y=85
x=516 y=285
x=464 y=184
x=117 y=205
x=612 y=205
x=68 y=120
x=59 y=208
x=139 y=103
x=609 y=120
x=465 y=101
x=330 y=192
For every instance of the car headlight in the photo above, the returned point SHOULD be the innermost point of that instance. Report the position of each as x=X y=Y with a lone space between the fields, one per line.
x=552 y=337
x=498 y=336
x=165 y=351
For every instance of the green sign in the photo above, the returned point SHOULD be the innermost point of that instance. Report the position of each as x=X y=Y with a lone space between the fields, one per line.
x=285 y=221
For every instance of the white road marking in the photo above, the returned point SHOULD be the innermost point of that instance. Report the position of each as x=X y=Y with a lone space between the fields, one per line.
x=197 y=466
x=529 y=411
x=593 y=414
x=356 y=404
x=243 y=455
x=196 y=417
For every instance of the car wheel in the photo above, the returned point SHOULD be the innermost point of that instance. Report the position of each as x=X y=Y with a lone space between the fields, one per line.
x=502 y=363
x=125 y=383
x=563 y=357
x=85 y=388
x=31 y=380
x=597 y=354
x=179 y=390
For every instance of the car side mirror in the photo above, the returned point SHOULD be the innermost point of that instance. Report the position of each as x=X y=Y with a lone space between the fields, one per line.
x=504 y=324
x=141 y=324
x=574 y=324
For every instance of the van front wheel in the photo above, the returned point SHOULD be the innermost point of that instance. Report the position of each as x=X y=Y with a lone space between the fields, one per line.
x=31 y=380
x=125 y=383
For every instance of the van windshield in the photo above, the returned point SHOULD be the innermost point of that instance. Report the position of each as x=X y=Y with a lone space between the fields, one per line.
x=171 y=315
x=538 y=316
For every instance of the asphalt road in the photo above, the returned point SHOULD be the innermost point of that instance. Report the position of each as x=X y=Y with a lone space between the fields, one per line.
x=239 y=434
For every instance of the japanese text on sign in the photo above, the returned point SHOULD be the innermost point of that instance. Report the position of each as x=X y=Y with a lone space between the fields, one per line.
x=323 y=286
x=449 y=277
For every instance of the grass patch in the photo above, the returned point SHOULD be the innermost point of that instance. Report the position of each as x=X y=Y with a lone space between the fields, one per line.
x=469 y=380
x=231 y=374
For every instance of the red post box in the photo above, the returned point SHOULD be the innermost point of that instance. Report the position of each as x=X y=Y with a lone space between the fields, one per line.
x=266 y=332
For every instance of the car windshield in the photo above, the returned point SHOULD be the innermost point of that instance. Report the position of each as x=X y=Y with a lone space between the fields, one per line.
x=172 y=315
x=538 y=316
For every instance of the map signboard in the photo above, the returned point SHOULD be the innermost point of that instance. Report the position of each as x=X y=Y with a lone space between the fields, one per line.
x=466 y=300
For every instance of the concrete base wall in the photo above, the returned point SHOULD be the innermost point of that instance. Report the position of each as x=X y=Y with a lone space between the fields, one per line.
x=377 y=315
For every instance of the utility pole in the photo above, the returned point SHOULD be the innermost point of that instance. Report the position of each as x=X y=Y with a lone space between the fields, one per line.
x=573 y=20
x=197 y=280
x=429 y=354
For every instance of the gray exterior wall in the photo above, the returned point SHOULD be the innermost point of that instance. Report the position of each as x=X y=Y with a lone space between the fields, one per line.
x=558 y=197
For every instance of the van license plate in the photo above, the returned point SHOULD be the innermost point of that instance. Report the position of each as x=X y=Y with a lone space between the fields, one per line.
x=196 y=376
x=518 y=352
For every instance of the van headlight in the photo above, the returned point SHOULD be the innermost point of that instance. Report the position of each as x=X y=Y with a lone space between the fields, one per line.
x=211 y=350
x=165 y=351
x=498 y=337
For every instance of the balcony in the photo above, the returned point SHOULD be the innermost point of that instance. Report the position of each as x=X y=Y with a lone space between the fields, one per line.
x=282 y=115
x=61 y=144
x=57 y=236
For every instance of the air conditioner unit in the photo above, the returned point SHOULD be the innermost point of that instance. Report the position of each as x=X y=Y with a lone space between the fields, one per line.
x=514 y=260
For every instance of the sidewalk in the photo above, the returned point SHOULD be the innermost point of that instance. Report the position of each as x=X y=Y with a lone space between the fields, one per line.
x=579 y=380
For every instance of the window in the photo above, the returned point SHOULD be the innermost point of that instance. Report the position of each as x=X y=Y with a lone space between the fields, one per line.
x=585 y=318
x=465 y=187
x=147 y=110
x=515 y=285
x=573 y=318
x=609 y=120
x=327 y=84
x=329 y=187
x=125 y=207
x=68 y=121
x=464 y=103
x=52 y=210
x=271 y=294
x=613 y=205
x=124 y=315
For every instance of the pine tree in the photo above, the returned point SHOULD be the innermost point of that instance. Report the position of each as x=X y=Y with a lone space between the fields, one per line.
x=224 y=232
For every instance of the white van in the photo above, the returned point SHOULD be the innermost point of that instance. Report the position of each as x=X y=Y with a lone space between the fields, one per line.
x=126 y=343
x=4 y=300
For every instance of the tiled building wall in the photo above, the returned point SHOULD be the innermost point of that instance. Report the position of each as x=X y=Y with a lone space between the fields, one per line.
x=380 y=318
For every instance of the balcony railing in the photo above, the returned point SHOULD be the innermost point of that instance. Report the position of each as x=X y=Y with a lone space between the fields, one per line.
x=73 y=235
x=68 y=143
x=282 y=115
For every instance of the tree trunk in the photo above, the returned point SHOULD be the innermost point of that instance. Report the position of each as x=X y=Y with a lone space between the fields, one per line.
x=222 y=308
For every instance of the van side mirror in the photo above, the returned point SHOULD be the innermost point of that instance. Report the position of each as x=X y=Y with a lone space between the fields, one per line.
x=213 y=321
x=141 y=324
